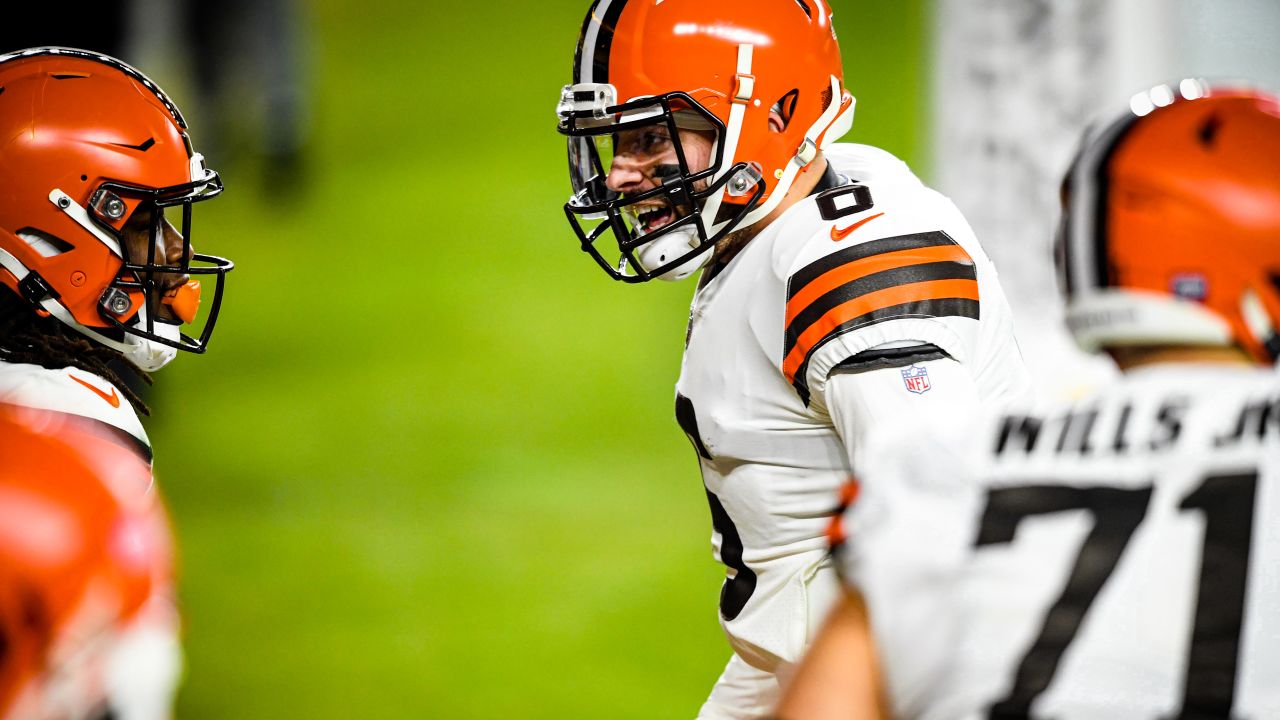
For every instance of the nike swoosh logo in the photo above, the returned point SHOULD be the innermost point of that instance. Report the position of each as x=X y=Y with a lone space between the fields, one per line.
x=144 y=146
x=113 y=399
x=838 y=235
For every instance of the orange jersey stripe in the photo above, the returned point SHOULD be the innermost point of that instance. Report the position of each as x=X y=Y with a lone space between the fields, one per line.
x=861 y=268
x=864 y=304
x=836 y=534
x=849 y=492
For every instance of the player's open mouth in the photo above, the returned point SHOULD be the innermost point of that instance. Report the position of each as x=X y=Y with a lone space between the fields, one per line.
x=649 y=218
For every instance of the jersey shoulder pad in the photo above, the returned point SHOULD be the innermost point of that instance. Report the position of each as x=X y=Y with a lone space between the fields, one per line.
x=876 y=189
x=73 y=392
x=870 y=165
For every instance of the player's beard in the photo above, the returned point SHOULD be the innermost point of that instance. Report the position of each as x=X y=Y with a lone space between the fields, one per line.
x=732 y=243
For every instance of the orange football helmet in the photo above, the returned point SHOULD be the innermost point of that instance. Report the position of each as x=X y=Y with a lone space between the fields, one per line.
x=720 y=65
x=1171 y=223
x=85 y=142
x=82 y=549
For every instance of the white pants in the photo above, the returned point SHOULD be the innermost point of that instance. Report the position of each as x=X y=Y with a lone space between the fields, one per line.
x=742 y=692
x=745 y=692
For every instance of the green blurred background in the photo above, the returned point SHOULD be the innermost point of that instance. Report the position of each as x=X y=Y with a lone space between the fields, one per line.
x=430 y=467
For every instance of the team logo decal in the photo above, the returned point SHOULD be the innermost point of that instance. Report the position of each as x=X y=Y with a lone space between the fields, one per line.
x=916 y=378
x=1192 y=286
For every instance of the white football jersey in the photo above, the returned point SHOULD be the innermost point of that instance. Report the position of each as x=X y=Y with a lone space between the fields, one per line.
x=73 y=391
x=1115 y=558
x=878 y=261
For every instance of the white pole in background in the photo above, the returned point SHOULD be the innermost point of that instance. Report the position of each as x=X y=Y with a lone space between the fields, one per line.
x=1015 y=82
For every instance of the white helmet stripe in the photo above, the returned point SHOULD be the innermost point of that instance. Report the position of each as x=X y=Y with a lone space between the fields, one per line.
x=602 y=18
x=823 y=13
x=588 y=55
x=1088 y=225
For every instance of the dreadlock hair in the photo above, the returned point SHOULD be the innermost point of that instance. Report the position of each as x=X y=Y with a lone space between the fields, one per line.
x=25 y=337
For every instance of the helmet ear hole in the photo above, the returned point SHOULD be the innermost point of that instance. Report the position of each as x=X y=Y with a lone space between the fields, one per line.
x=784 y=109
x=44 y=243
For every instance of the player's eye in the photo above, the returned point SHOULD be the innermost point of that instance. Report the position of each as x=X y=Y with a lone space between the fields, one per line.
x=139 y=222
x=655 y=140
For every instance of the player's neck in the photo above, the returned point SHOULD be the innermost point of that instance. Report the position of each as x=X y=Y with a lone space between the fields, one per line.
x=804 y=184
x=1128 y=358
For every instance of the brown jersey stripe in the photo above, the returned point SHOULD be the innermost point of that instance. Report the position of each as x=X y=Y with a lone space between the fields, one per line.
x=895 y=302
x=851 y=271
x=865 y=285
x=854 y=253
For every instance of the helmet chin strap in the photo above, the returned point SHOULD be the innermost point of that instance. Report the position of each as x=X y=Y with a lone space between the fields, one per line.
x=55 y=308
x=681 y=240
x=744 y=88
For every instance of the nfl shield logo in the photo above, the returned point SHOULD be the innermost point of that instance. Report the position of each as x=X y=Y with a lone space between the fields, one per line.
x=916 y=378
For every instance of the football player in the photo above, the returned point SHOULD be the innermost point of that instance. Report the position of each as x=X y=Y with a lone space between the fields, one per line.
x=99 y=177
x=83 y=552
x=97 y=165
x=1116 y=557
x=836 y=290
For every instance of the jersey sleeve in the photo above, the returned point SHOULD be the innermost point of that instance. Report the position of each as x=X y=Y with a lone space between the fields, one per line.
x=900 y=286
x=917 y=396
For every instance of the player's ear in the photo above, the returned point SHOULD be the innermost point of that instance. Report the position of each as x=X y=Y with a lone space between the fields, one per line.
x=781 y=111
x=776 y=123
